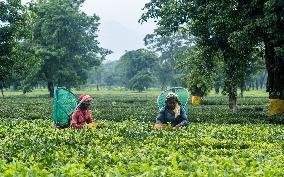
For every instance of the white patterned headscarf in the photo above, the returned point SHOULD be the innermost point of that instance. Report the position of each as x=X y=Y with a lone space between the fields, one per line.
x=177 y=107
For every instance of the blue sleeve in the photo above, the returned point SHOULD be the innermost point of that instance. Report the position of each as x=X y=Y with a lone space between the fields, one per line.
x=161 y=116
x=183 y=117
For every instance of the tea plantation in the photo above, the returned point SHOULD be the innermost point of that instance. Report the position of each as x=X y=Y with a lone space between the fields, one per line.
x=217 y=142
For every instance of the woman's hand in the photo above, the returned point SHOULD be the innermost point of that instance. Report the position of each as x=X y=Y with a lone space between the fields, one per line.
x=91 y=124
x=177 y=126
x=160 y=126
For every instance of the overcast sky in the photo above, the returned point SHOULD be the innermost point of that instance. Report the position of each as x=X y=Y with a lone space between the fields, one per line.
x=119 y=29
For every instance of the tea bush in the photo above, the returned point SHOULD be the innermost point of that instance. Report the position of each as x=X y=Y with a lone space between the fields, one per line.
x=217 y=142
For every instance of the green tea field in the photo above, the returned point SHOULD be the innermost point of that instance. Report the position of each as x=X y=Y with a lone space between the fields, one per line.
x=217 y=142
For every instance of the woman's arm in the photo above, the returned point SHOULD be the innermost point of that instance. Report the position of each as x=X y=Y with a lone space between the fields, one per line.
x=74 y=120
x=161 y=117
x=184 y=118
x=89 y=119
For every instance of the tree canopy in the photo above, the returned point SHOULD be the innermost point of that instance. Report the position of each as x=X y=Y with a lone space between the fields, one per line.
x=135 y=66
x=167 y=46
x=233 y=28
x=65 y=39
x=13 y=19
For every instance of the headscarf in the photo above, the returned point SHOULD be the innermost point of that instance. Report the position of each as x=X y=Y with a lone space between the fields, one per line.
x=174 y=96
x=85 y=98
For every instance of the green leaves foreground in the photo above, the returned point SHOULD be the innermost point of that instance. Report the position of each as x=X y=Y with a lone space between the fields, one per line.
x=134 y=148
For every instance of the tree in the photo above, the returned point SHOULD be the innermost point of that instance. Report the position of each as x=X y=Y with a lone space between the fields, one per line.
x=166 y=73
x=263 y=24
x=217 y=25
x=133 y=62
x=167 y=46
x=198 y=73
x=110 y=76
x=95 y=76
x=141 y=81
x=65 y=39
x=13 y=18
x=255 y=65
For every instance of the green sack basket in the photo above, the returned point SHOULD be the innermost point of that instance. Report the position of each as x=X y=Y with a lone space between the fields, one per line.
x=182 y=97
x=64 y=103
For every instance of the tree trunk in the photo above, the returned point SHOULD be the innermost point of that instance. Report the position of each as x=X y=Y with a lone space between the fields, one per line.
x=231 y=82
x=275 y=70
x=275 y=79
x=242 y=93
x=217 y=88
x=233 y=99
x=2 y=87
x=232 y=92
x=50 y=87
x=197 y=92
x=197 y=95
x=97 y=85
